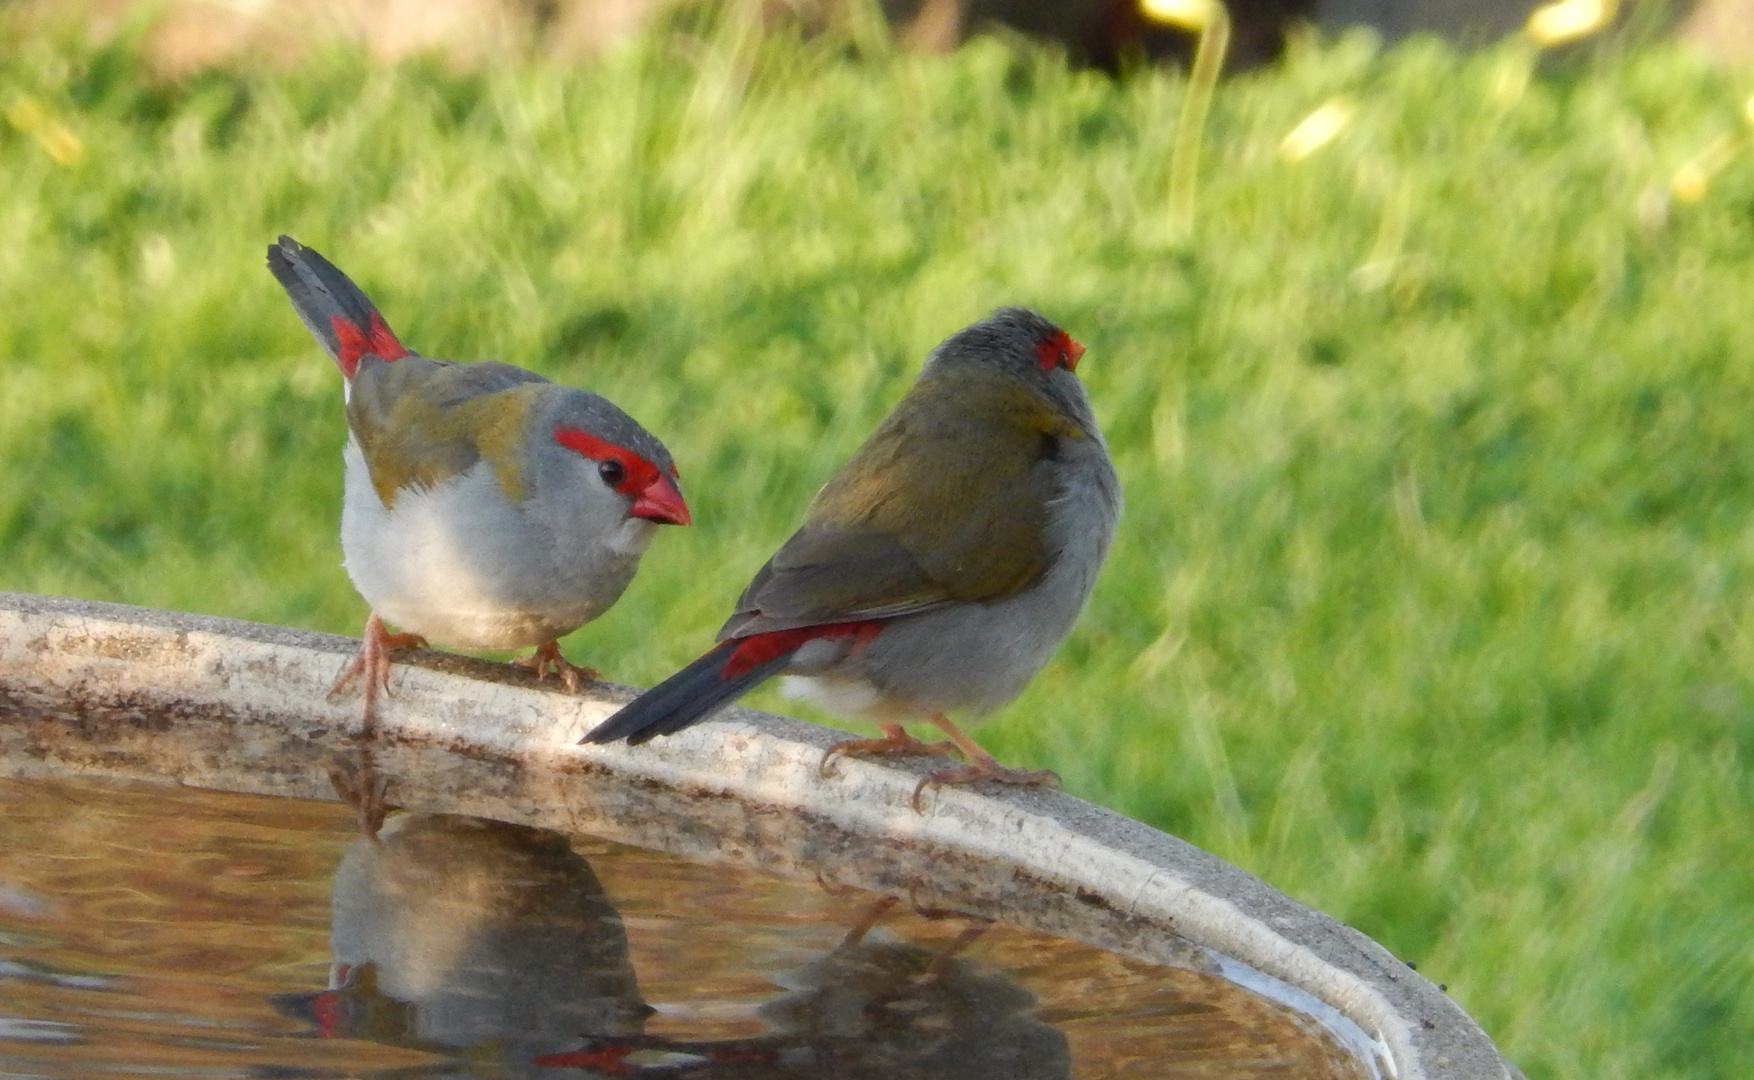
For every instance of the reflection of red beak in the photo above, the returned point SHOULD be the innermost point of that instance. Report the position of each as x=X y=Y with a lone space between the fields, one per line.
x=662 y=503
x=329 y=1013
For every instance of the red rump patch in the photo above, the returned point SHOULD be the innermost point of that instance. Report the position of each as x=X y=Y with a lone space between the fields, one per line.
x=1058 y=350
x=607 y=1059
x=753 y=652
x=352 y=343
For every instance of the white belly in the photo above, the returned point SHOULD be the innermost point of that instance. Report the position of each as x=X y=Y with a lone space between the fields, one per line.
x=462 y=566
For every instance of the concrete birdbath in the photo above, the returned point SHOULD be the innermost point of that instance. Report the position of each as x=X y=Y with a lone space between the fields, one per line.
x=704 y=905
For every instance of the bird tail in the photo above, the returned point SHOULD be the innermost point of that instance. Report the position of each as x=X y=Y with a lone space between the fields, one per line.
x=716 y=679
x=332 y=307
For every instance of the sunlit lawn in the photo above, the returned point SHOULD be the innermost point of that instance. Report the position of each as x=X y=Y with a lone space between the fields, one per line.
x=1432 y=601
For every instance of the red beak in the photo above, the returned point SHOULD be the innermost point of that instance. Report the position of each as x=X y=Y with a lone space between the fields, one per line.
x=662 y=503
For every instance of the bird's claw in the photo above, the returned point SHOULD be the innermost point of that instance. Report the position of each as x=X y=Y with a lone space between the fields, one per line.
x=986 y=770
x=872 y=915
x=373 y=662
x=362 y=787
x=547 y=659
x=898 y=742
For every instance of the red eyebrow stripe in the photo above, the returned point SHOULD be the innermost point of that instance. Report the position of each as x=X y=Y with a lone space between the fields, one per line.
x=352 y=343
x=641 y=473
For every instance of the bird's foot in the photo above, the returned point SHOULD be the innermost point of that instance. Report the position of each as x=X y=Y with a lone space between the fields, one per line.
x=894 y=741
x=968 y=935
x=987 y=769
x=868 y=921
x=373 y=663
x=547 y=660
x=363 y=788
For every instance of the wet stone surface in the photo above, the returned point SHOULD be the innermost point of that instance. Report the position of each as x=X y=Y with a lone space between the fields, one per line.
x=153 y=930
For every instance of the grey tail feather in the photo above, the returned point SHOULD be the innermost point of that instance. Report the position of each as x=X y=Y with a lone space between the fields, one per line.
x=319 y=292
x=691 y=694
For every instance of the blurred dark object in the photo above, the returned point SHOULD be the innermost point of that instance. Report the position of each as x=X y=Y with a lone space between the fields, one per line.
x=1114 y=34
x=1109 y=34
x=1474 y=23
x=185 y=36
x=1469 y=23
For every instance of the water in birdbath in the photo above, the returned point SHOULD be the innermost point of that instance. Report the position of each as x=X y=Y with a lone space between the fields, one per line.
x=163 y=931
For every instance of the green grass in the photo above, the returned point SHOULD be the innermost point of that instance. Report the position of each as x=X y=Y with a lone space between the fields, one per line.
x=1434 y=600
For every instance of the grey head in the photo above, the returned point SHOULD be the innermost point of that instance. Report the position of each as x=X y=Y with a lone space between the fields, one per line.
x=584 y=453
x=581 y=410
x=1026 y=345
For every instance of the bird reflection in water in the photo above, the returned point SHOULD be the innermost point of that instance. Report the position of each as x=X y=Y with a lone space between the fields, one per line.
x=494 y=947
x=462 y=936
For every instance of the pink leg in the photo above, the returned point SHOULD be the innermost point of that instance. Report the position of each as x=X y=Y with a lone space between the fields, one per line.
x=872 y=916
x=359 y=785
x=981 y=766
x=373 y=662
x=895 y=740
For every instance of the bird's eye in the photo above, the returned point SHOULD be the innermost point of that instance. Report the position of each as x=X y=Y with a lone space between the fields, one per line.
x=612 y=472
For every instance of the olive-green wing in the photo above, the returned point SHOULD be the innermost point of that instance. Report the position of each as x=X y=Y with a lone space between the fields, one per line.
x=947 y=502
x=419 y=422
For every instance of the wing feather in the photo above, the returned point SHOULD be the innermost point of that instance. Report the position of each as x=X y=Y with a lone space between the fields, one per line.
x=419 y=422
x=945 y=503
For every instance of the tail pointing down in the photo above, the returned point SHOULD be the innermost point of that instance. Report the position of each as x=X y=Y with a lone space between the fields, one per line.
x=331 y=306
x=720 y=677
x=695 y=692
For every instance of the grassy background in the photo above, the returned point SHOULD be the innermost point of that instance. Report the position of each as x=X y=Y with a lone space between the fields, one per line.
x=1432 y=604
